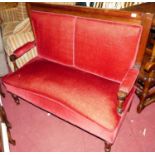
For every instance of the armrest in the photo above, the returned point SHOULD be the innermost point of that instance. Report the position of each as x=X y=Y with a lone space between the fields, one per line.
x=125 y=87
x=149 y=66
x=129 y=80
x=22 y=50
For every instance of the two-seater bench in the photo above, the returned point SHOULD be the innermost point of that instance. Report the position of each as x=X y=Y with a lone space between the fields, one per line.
x=88 y=60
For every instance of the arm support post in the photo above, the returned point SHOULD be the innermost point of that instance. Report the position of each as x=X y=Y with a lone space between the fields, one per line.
x=121 y=98
x=125 y=87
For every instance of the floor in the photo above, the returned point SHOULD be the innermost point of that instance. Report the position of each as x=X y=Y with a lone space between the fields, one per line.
x=36 y=130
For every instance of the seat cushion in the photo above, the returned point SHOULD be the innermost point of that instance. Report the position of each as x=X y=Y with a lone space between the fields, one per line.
x=92 y=96
x=81 y=98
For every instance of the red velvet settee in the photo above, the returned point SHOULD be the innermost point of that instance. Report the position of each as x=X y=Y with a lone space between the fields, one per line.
x=87 y=63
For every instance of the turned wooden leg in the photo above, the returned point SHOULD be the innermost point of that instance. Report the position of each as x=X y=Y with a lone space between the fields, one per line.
x=141 y=105
x=107 y=146
x=139 y=90
x=4 y=116
x=121 y=97
x=16 y=99
x=11 y=140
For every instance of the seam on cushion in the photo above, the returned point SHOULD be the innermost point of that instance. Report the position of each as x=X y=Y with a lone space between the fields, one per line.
x=103 y=77
x=128 y=73
x=74 y=40
x=80 y=69
x=55 y=61
x=110 y=21
x=126 y=76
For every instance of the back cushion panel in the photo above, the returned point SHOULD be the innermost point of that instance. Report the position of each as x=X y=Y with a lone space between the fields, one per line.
x=105 y=48
x=54 y=35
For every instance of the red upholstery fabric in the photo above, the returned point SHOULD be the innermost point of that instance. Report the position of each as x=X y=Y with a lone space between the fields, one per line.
x=25 y=48
x=64 y=91
x=54 y=32
x=90 y=44
x=106 y=48
x=129 y=80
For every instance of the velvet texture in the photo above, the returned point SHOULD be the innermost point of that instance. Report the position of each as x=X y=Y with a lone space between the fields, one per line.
x=22 y=50
x=89 y=44
x=80 y=65
x=106 y=48
x=54 y=32
x=68 y=89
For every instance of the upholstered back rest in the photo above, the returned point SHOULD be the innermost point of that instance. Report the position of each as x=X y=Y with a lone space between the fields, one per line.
x=102 y=47
x=54 y=35
x=106 y=48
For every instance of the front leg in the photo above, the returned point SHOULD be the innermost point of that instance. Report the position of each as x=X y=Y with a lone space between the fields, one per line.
x=121 y=98
x=107 y=146
x=4 y=117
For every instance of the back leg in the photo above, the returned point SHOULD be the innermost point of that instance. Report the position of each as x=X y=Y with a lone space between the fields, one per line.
x=16 y=99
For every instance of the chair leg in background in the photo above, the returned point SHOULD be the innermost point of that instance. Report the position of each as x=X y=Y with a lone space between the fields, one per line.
x=140 y=107
x=144 y=94
x=130 y=106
